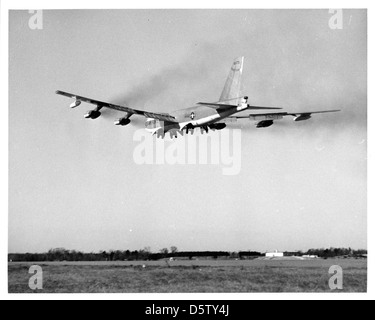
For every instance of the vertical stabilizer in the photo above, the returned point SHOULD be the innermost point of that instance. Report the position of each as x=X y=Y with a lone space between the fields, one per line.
x=232 y=89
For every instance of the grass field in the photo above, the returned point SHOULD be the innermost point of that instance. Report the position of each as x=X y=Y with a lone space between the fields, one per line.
x=190 y=276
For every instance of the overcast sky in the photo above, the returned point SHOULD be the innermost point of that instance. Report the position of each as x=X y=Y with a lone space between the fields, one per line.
x=73 y=182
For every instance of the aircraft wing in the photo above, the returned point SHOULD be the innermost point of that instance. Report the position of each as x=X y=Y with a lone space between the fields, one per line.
x=101 y=104
x=267 y=119
x=279 y=115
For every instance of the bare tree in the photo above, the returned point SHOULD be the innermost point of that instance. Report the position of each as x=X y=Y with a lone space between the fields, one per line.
x=164 y=251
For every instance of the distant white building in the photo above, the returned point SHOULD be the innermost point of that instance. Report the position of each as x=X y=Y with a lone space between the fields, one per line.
x=275 y=254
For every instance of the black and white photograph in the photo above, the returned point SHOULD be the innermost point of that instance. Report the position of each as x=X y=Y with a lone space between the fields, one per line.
x=187 y=151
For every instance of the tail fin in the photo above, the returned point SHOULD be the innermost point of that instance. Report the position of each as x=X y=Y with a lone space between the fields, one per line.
x=232 y=88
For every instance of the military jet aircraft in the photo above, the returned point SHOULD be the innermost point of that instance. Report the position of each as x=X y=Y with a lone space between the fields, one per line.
x=203 y=115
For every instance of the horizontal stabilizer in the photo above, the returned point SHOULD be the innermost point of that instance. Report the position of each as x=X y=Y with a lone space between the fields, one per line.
x=217 y=105
x=227 y=106
x=262 y=108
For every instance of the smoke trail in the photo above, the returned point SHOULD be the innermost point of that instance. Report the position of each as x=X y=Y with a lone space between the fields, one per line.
x=177 y=86
x=178 y=82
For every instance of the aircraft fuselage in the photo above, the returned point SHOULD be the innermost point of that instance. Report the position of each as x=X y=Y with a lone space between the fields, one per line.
x=197 y=116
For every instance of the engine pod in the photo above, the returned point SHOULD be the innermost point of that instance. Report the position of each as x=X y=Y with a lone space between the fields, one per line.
x=302 y=117
x=122 y=122
x=93 y=114
x=265 y=124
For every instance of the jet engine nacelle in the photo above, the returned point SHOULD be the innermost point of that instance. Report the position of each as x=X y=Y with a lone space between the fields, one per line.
x=265 y=124
x=217 y=126
x=302 y=117
x=93 y=114
x=75 y=104
x=122 y=122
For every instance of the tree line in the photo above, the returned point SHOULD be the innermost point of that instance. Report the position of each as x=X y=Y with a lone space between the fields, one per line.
x=336 y=252
x=61 y=254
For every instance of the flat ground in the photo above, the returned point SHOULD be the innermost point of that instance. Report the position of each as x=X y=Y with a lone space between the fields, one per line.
x=213 y=276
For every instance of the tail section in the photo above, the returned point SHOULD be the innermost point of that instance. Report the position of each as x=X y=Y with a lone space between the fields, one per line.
x=232 y=89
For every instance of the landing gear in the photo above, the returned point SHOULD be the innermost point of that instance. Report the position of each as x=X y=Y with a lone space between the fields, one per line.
x=188 y=128
x=204 y=129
